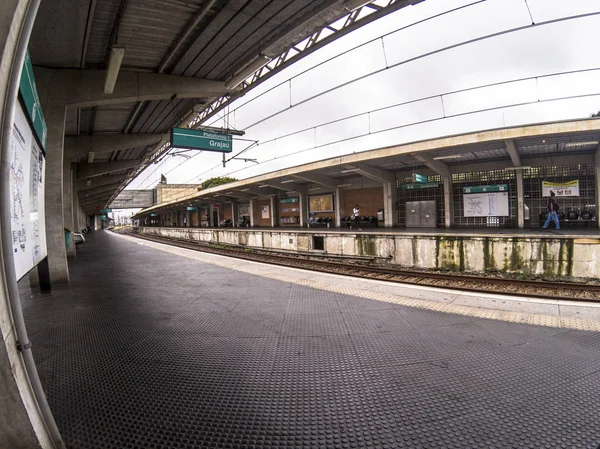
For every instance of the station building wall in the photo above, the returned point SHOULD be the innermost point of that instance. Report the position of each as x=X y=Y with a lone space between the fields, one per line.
x=370 y=200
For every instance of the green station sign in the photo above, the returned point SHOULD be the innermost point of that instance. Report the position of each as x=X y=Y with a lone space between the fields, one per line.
x=419 y=178
x=288 y=200
x=195 y=139
x=419 y=185
x=104 y=211
x=191 y=208
x=486 y=189
x=31 y=100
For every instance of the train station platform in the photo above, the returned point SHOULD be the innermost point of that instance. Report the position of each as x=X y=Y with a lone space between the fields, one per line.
x=156 y=346
x=568 y=253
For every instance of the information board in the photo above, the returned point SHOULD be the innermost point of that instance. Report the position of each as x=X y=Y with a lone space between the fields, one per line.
x=493 y=204
x=195 y=139
x=27 y=170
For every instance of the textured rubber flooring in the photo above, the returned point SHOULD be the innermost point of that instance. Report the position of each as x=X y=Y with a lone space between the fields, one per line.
x=147 y=349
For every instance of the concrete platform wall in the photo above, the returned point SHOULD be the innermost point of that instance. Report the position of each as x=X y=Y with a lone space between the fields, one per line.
x=551 y=256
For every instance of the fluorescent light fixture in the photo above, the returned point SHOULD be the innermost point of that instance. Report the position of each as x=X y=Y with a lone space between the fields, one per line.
x=288 y=181
x=353 y=5
x=245 y=73
x=245 y=190
x=450 y=156
x=315 y=188
x=344 y=185
x=88 y=182
x=581 y=144
x=114 y=66
x=228 y=193
x=263 y=185
x=350 y=170
x=90 y=157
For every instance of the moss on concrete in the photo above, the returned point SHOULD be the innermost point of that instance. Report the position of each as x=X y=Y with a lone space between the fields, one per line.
x=366 y=245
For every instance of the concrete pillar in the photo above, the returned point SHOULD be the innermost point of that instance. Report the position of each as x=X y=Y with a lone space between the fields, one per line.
x=234 y=214
x=68 y=200
x=520 y=199
x=303 y=202
x=187 y=223
x=274 y=211
x=55 y=238
x=252 y=211
x=339 y=201
x=198 y=217
x=448 y=201
x=390 y=200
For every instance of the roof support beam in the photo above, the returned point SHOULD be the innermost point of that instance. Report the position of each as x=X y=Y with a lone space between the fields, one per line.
x=80 y=146
x=97 y=182
x=439 y=167
x=512 y=151
x=101 y=168
x=85 y=88
x=96 y=190
x=322 y=180
x=375 y=173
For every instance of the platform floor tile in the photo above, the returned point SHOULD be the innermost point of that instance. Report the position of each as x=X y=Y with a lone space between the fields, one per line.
x=148 y=349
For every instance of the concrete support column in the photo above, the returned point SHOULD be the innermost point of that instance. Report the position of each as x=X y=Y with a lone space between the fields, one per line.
x=390 y=199
x=448 y=203
x=520 y=199
x=339 y=201
x=303 y=201
x=274 y=212
x=188 y=217
x=234 y=214
x=55 y=237
x=68 y=200
x=252 y=211
x=198 y=218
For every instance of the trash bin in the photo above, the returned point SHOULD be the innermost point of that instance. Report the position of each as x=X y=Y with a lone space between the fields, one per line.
x=380 y=215
x=68 y=239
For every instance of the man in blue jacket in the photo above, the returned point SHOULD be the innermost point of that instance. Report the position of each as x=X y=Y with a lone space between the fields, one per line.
x=552 y=209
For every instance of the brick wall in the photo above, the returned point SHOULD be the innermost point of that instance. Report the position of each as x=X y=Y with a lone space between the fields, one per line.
x=369 y=201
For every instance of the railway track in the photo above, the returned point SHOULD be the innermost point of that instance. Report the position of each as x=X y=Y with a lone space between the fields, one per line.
x=357 y=267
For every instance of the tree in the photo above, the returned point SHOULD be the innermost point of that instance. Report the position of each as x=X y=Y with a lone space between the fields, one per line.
x=213 y=182
x=597 y=114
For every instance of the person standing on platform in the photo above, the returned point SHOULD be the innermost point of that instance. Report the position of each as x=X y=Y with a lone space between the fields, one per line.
x=356 y=217
x=552 y=209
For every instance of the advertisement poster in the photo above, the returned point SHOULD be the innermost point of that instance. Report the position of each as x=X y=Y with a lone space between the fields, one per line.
x=28 y=228
x=265 y=212
x=320 y=203
x=570 y=188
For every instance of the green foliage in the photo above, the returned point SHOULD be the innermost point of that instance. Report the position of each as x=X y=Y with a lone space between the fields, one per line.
x=597 y=114
x=213 y=182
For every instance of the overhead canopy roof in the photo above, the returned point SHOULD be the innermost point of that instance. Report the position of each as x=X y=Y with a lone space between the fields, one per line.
x=535 y=145
x=208 y=39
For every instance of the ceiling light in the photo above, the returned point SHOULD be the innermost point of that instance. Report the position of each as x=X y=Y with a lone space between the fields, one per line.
x=114 y=66
x=353 y=5
x=88 y=182
x=314 y=188
x=581 y=144
x=262 y=186
x=350 y=170
x=245 y=190
x=344 y=185
x=90 y=158
x=228 y=193
x=450 y=156
x=288 y=181
x=248 y=71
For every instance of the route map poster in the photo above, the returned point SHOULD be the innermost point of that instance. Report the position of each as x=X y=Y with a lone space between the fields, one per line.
x=486 y=204
x=28 y=226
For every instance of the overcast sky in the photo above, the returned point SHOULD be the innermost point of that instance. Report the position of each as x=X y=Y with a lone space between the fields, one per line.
x=370 y=95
